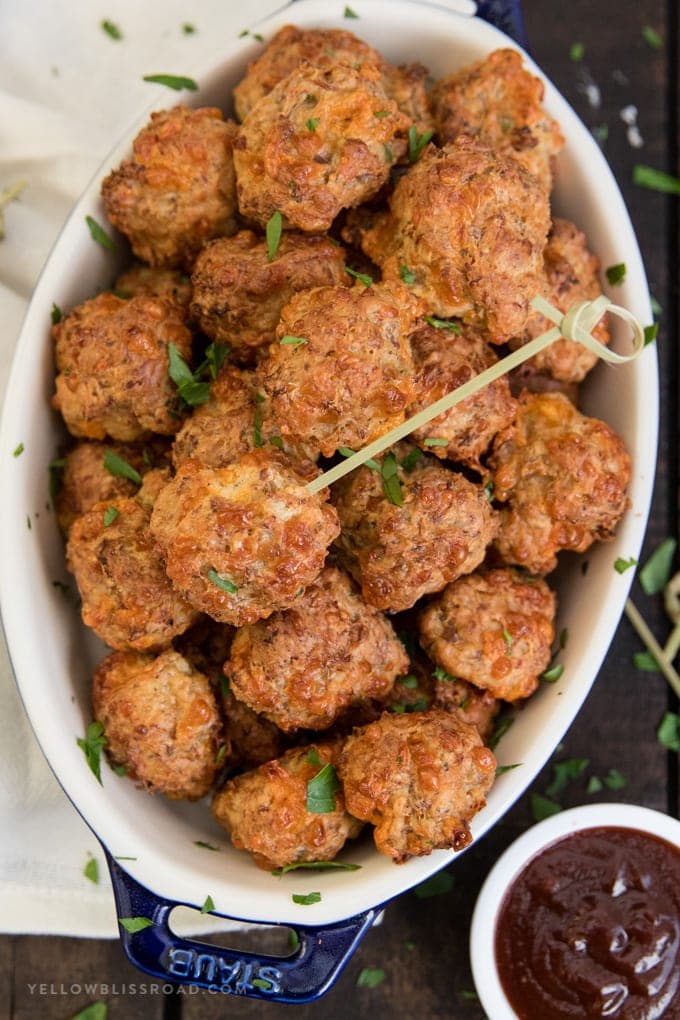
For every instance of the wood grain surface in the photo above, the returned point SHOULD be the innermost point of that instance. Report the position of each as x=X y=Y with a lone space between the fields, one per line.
x=422 y=943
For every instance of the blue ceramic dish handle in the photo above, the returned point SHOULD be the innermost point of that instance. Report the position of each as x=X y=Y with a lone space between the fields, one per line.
x=312 y=968
x=506 y=15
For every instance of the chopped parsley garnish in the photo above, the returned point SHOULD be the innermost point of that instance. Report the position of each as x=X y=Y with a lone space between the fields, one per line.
x=258 y=441
x=273 y=232
x=277 y=441
x=9 y=194
x=95 y=1011
x=416 y=143
x=489 y=490
x=258 y=37
x=134 y=924
x=110 y=515
x=293 y=341
x=390 y=480
x=646 y=662
x=576 y=52
x=172 y=81
x=99 y=235
x=316 y=866
x=55 y=314
x=321 y=791
x=433 y=441
x=616 y=274
x=668 y=733
x=468 y=994
x=411 y=459
x=564 y=637
x=655 y=180
x=312 y=123
x=120 y=770
x=656 y=307
x=507 y=637
x=364 y=277
x=553 y=673
x=542 y=807
x=224 y=685
x=206 y=846
x=115 y=465
x=370 y=977
x=601 y=133
x=654 y=575
x=407 y=276
x=92 y=747
x=594 y=785
x=111 y=29
x=221 y=751
x=565 y=772
x=222 y=582
x=615 y=780
x=652 y=37
x=349 y=13
x=435 y=885
x=389 y=154
x=192 y=391
x=307 y=898
x=411 y=682
x=18 y=450
x=381 y=113
x=501 y=769
x=91 y=871
x=500 y=729
x=208 y=905
x=450 y=324
x=313 y=757
x=188 y=28
x=121 y=858
x=215 y=356
x=61 y=587
x=651 y=333
x=440 y=674
x=621 y=565
x=244 y=33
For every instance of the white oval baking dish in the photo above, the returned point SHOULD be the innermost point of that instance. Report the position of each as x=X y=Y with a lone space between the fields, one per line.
x=52 y=655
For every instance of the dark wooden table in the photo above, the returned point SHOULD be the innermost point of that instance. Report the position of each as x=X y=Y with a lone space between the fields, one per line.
x=422 y=943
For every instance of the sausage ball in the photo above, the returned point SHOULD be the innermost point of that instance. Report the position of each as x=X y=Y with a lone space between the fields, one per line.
x=470 y=225
x=238 y=293
x=443 y=362
x=474 y=706
x=419 y=778
x=127 y=598
x=572 y=275
x=498 y=102
x=428 y=528
x=342 y=373
x=144 y=281
x=563 y=477
x=85 y=479
x=178 y=189
x=493 y=628
x=324 y=47
x=242 y=541
x=112 y=363
x=322 y=140
x=265 y=811
x=161 y=721
x=303 y=666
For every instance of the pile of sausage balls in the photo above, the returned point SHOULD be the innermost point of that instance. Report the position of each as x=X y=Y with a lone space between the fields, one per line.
x=358 y=244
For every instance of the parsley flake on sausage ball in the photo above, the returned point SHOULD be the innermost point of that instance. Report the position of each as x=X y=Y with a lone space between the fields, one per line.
x=498 y=102
x=342 y=373
x=302 y=666
x=265 y=810
x=494 y=628
x=470 y=224
x=563 y=477
x=419 y=778
x=112 y=363
x=127 y=598
x=310 y=175
x=411 y=527
x=241 y=541
x=178 y=189
x=161 y=721
x=572 y=276
x=238 y=292
x=443 y=362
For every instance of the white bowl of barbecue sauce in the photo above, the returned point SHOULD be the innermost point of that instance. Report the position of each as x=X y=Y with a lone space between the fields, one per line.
x=580 y=919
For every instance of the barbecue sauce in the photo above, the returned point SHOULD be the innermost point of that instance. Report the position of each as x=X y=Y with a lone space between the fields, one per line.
x=591 y=928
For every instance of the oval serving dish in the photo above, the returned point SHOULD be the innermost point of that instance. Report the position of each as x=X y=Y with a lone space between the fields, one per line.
x=54 y=657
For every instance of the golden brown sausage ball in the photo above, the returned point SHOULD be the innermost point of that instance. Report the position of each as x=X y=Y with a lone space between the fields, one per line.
x=127 y=598
x=85 y=480
x=242 y=541
x=352 y=379
x=443 y=362
x=474 y=706
x=498 y=102
x=161 y=721
x=144 y=281
x=419 y=778
x=178 y=189
x=493 y=628
x=572 y=275
x=303 y=666
x=112 y=363
x=238 y=293
x=265 y=811
x=324 y=47
x=400 y=553
x=322 y=140
x=563 y=477
x=470 y=225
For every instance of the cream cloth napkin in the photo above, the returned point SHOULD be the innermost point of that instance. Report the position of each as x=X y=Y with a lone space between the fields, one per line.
x=68 y=91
